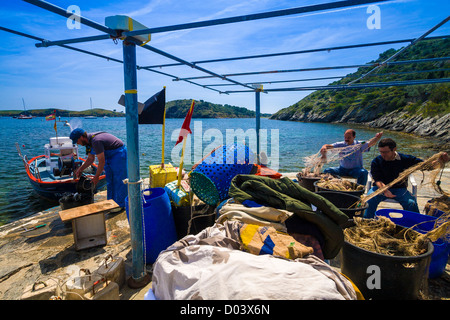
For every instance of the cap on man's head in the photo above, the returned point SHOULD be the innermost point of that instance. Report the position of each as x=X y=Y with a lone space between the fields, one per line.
x=76 y=134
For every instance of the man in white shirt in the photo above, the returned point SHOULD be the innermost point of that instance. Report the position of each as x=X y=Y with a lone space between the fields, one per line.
x=351 y=163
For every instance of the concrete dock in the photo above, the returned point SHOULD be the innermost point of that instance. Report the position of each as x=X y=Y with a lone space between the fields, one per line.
x=49 y=252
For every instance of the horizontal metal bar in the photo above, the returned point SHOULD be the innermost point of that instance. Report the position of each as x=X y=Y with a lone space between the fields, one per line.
x=278 y=81
x=63 y=12
x=298 y=52
x=414 y=61
x=330 y=78
x=113 y=33
x=168 y=55
x=20 y=33
x=48 y=43
x=175 y=77
x=101 y=56
x=59 y=45
x=356 y=86
x=250 y=17
x=278 y=71
x=92 y=53
x=405 y=48
x=60 y=11
x=419 y=39
x=318 y=68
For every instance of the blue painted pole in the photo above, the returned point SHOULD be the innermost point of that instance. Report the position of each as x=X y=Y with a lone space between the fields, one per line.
x=258 y=122
x=134 y=190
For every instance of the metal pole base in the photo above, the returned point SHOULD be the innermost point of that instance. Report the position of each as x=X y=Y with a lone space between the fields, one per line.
x=139 y=283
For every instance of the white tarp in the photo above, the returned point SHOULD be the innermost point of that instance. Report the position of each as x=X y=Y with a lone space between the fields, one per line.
x=211 y=266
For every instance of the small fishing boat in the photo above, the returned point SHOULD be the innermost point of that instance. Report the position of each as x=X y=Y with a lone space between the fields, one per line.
x=52 y=174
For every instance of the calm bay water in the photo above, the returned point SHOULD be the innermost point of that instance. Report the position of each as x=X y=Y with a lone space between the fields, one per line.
x=287 y=144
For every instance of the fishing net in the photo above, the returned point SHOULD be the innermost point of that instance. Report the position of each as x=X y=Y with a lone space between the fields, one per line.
x=211 y=178
x=439 y=206
x=333 y=183
x=382 y=236
x=314 y=163
x=433 y=163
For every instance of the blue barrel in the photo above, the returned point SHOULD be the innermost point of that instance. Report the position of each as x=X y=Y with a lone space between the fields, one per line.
x=158 y=226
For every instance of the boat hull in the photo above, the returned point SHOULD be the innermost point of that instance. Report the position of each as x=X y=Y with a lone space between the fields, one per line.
x=54 y=189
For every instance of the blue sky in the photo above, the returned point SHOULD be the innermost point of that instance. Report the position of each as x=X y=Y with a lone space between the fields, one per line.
x=55 y=77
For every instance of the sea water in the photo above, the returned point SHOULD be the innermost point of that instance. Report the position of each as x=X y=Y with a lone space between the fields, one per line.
x=285 y=144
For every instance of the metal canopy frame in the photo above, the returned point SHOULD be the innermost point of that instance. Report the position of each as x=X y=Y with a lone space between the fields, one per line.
x=139 y=275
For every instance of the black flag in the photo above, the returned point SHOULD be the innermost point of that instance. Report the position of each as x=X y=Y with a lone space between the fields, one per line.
x=152 y=111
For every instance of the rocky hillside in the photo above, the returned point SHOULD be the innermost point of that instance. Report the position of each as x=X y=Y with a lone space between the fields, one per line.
x=419 y=109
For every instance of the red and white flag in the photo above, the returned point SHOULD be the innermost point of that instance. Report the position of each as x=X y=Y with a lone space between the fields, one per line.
x=185 y=128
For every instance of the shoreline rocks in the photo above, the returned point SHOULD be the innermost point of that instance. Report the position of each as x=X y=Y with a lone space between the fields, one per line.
x=437 y=127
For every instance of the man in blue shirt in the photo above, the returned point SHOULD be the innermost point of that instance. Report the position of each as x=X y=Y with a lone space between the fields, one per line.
x=112 y=157
x=351 y=163
x=385 y=168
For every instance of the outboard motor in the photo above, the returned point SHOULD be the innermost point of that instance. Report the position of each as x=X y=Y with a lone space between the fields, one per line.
x=65 y=166
x=83 y=196
x=84 y=185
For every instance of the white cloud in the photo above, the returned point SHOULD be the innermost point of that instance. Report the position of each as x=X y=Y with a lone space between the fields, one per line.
x=146 y=9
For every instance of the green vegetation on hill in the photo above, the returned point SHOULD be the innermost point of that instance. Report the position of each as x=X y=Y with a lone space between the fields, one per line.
x=362 y=105
x=203 y=109
x=174 y=109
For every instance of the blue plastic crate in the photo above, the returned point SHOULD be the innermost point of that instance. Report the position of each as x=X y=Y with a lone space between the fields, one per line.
x=422 y=224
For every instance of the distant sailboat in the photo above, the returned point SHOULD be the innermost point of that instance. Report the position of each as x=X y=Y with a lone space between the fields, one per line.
x=24 y=115
x=91 y=116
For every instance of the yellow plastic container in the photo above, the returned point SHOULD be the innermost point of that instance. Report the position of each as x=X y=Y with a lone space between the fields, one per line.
x=159 y=177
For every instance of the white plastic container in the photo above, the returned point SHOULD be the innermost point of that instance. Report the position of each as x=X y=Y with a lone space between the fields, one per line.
x=59 y=141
